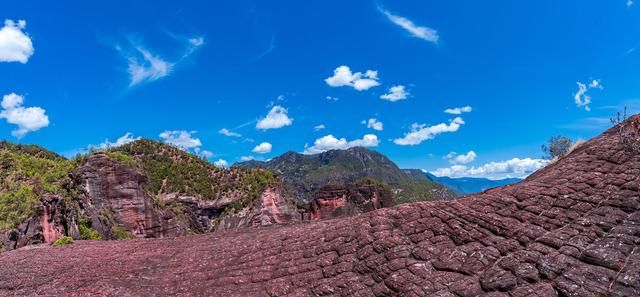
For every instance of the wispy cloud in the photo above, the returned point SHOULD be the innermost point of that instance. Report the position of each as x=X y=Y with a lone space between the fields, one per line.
x=146 y=66
x=424 y=33
x=422 y=132
x=267 y=51
x=458 y=110
x=581 y=98
x=227 y=132
x=124 y=139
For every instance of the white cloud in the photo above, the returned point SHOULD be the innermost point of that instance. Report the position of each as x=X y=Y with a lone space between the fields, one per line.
x=226 y=132
x=515 y=167
x=124 y=139
x=319 y=127
x=454 y=158
x=342 y=76
x=330 y=98
x=629 y=3
x=424 y=33
x=28 y=119
x=220 y=163
x=181 y=139
x=596 y=84
x=204 y=153
x=395 y=93
x=276 y=118
x=247 y=158
x=373 y=124
x=458 y=110
x=262 y=148
x=581 y=98
x=144 y=66
x=149 y=68
x=196 y=41
x=15 y=45
x=422 y=132
x=330 y=142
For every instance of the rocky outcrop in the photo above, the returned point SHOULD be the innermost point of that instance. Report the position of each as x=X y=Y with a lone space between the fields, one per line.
x=274 y=207
x=571 y=229
x=114 y=196
x=334 y=201
x=47 y=225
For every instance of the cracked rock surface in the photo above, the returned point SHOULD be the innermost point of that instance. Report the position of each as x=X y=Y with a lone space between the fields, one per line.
x=571 y=229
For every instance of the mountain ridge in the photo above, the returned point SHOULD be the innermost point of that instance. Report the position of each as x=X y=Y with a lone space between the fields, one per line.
x=305 y=174
x=463 y=185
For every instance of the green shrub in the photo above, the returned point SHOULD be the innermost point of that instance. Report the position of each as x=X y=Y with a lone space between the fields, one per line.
x=122 y=158
x=64 y=240
x=86 y=232
x=120 y=233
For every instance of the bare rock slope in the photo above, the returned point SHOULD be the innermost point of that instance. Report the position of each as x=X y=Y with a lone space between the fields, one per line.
x=571 y=229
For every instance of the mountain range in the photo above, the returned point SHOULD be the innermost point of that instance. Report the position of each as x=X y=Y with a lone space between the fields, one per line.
x=463 y=185
x=306 y=174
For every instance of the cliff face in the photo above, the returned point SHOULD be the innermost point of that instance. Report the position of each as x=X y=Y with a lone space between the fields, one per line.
x=570 y=229
x=274 y=207
x=114 y=196
x=333 y=201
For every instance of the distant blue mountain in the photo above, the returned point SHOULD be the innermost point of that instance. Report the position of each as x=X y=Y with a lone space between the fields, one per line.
x=463 y=185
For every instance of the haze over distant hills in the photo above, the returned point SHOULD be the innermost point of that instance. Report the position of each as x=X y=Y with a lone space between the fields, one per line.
x=463 y=185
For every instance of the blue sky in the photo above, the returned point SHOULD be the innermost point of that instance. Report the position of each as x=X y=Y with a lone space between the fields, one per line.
x=270 y=72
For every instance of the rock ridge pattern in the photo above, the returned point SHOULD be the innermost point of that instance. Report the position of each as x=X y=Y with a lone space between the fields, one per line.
x=570 y=229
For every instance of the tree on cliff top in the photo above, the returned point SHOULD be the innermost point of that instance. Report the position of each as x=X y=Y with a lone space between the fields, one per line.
x=556 y=147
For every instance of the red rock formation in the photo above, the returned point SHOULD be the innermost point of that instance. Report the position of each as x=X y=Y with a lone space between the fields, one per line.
x=334 y=201
x=52 y=228
x=114 y=194
x=571 y=229
x=273 y=208
x=47 y=225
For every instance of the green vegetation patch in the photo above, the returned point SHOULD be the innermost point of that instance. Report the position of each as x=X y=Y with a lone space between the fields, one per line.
x=64 y=240
x=122 y=158
x=120 y=233
x=17 y=203
x=28 y=172
x=86 y=232
x=171 y=170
